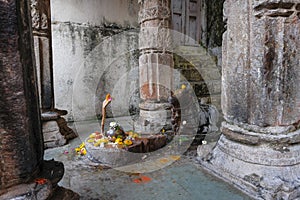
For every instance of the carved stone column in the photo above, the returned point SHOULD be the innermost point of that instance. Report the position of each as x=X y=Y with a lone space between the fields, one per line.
x=155 y=64
x=55 y=128
x=259 y=150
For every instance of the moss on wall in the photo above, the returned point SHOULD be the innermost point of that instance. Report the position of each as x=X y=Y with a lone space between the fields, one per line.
x=215 y=23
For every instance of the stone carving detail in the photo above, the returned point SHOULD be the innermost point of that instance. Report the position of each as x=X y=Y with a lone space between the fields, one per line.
x=39 y=16
x=277 y=9
x=44 y=21
x=157 y=12
x=35 y=15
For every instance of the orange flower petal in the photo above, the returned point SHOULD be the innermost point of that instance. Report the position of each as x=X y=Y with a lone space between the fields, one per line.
x=142 y=179
x=137 y=180
x=145 y=179
x=40 y=181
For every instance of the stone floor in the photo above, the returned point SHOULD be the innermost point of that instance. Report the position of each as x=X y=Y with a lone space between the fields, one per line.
x=162 y=175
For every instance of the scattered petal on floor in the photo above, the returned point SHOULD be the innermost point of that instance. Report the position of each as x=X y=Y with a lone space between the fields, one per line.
x=66 y=152
x=175 y=157
x=142 y=179
x=164 y=160
x=40 y=181
x=145 y=179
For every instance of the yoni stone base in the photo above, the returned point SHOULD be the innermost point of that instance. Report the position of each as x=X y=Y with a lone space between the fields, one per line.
x=264 y=166
x=118 y=157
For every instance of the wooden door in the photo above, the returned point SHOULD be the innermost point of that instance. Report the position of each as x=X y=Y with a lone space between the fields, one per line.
x=186 y=19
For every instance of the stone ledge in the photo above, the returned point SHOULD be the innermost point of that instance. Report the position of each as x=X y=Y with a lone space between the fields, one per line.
x=48 y=116
x=265 y=154
x=274 y=135
x=153 y=106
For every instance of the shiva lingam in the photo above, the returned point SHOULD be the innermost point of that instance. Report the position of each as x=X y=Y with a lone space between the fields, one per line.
x=117 y=147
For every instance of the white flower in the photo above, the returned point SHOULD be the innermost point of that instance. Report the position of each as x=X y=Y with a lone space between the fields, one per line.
x=204 y=142
x=113 y=124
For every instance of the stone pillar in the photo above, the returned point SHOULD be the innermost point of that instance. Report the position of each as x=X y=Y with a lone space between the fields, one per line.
x=23 y=172
x=41 y=26
x=259 y=148
x=55 y=129
x=155 y=64
x=21 y=141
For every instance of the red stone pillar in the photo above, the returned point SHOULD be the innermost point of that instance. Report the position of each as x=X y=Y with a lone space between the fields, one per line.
x=21 y=141
x=260 y=143
x=155 y=64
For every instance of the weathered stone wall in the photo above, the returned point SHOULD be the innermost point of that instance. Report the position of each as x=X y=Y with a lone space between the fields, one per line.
x=76 y=34
x=215 y=28
x=121 y=12
x=78 y=28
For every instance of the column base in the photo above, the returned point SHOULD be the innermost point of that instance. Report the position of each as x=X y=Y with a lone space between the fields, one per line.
x=153 y=118
x=43 y=186
x=264 y=166
x=55 y=129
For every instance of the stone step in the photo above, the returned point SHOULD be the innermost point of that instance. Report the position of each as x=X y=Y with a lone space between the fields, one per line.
x=190 y=50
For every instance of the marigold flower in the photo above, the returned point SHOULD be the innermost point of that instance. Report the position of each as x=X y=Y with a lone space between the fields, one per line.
x=128 y=142
x=83 y=151
x=96 y=144
x=119 y=141
x=82 y=145
x=90 y=140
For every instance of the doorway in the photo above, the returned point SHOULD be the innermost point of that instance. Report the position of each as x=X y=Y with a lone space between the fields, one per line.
x=188 y=18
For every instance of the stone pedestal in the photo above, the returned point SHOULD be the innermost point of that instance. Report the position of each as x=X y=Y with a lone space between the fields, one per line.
x=55 y=129
x=259 y=148
x=155 y=65
x=52 y=135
